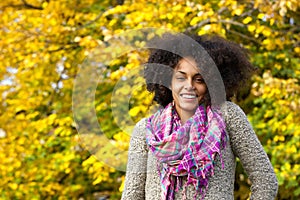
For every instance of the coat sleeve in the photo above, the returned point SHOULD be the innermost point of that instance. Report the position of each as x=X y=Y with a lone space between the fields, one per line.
x=135 y=179
x=249 y=150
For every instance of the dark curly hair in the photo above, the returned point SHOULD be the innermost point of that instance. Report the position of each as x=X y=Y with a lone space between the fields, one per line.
x=231 y=59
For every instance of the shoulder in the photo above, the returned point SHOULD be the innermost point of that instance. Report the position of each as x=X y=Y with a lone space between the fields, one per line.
x=141 y=123
x=234 y=115
x=139 y=131
x=230 y=109
x=140 y=127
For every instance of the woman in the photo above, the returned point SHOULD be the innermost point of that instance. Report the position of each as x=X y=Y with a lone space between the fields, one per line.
x=188 y=149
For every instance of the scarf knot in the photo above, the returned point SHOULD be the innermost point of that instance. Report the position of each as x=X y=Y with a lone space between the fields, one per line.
x=187 y=150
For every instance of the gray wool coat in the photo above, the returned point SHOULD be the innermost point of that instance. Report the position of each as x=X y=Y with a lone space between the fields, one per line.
x=142 y=180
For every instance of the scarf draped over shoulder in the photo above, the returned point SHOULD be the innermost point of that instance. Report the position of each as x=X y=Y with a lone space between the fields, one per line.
x=186 y=151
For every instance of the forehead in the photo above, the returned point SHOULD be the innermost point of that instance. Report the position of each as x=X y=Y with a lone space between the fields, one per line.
x=187 y=65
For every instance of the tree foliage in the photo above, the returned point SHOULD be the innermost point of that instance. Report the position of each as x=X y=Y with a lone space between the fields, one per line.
x=43 y=44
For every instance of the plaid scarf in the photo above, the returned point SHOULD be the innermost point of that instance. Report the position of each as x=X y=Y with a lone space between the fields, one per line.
x=187 y=150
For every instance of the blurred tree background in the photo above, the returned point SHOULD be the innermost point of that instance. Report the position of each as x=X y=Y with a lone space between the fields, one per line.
x=44 y=42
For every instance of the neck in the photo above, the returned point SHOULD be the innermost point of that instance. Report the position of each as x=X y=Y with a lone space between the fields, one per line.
x=184 y=116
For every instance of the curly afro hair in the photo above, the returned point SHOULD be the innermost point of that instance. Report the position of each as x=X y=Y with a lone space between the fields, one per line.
x=231 y=59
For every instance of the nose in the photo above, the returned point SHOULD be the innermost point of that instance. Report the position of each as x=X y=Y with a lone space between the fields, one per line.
x=189 y=85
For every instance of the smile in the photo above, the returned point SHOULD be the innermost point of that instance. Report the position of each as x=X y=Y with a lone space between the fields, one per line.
x=189 y=96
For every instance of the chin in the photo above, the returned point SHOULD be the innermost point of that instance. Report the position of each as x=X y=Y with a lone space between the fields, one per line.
x=189 y=108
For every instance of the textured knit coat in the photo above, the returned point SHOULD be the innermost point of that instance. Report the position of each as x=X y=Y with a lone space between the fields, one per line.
x=142 y=178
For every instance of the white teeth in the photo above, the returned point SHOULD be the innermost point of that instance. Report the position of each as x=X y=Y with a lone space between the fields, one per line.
x=188 y=96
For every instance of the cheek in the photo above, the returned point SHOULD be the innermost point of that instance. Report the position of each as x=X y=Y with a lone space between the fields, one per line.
x=202 y=89
x=175 y=87
x=175 y=93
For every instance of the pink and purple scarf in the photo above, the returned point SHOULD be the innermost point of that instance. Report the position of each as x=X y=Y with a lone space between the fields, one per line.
x=187 y=150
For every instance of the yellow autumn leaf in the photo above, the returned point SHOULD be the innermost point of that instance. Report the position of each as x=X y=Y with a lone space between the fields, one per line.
x=121 y=188
x=169 y=16
x=261 y=16
x=134 y=111
x=44 y=4
x=98 y=180
x=267 y=32
x=194 y=21
x=251 y=28
x=297 y=50
x=272 y=21
x=13 y=186
x=247 y=20
x=237 y=11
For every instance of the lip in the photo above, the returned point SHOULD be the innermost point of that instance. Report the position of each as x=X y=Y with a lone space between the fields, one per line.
x=189 y=96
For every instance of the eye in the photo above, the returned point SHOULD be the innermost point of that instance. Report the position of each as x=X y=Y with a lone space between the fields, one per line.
x=199 y=80
x=180 y=78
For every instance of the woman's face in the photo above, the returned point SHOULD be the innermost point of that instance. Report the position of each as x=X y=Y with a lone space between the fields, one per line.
x=188 y=88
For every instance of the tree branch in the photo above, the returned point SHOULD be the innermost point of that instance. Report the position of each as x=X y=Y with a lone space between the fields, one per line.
x=200 y=24
x=208 y=21
x=90 y=22
x=120 y=2
x=232 y=22
x=25 y=5
x=243 y=36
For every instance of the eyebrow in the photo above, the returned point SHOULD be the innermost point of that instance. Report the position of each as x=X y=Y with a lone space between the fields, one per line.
x=198 y=74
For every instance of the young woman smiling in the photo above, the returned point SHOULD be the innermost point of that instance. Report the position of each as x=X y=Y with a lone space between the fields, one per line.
x=188 y=148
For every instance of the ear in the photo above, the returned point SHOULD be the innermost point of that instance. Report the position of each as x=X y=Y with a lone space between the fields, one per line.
x=171 y=79
x=170 y=86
